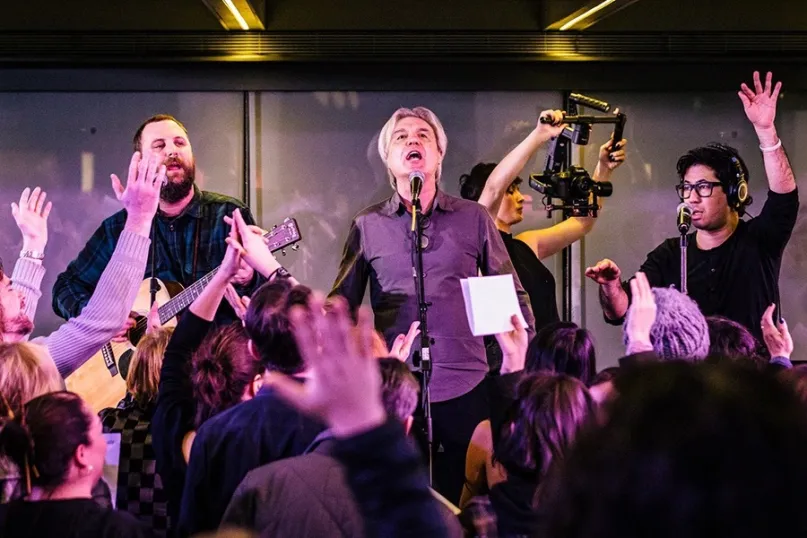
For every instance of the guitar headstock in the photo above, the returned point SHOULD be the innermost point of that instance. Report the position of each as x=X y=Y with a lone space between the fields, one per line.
x=283 y=235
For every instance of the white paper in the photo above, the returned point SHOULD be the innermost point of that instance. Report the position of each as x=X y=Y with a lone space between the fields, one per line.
x=490 y=301
x=111 y=464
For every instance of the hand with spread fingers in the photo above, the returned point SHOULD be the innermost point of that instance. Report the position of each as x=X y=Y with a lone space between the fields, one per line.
x=31 y=216
x=344 y=388
x=642 y=315
x=760 y=103
x=776 y=335
x=403 y=342
x=141 y=196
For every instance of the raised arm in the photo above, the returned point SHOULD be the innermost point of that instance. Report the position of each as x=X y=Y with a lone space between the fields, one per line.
x=81 y=337
x=508 y=169
x=613 y=298
x=31 y=216
x=760 y=108
x=548 y=241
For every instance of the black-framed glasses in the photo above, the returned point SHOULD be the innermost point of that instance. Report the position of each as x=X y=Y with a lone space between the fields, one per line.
x=704 y=188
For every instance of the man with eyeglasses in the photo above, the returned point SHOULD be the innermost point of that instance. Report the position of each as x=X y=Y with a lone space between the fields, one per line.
x=732 y=265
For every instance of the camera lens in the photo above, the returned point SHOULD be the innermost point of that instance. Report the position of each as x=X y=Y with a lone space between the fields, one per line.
x=603 y=188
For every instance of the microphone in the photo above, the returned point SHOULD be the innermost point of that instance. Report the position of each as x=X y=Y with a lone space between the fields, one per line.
x=416 y=179
x=684 y=217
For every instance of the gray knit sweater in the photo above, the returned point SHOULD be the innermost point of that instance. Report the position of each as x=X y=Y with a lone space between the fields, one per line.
x=79 y=338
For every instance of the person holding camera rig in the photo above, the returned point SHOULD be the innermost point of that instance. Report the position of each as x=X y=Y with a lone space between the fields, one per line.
x=497 y=187
x=732 y=265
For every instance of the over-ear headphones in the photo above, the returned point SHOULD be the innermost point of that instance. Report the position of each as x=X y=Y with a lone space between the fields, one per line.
x=737 y=189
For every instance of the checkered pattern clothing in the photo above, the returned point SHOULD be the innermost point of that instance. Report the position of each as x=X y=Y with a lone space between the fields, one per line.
x=140 y=489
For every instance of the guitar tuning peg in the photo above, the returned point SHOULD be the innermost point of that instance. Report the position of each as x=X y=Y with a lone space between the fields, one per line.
x=283 y=251
x=274 y=227
x=295 y=247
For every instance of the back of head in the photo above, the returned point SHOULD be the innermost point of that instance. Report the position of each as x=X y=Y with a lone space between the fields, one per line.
x=399 y=389
x=565 y=348
x=550 y=411
x=472 y=184
x=143 y=379
x=268 y=325
x=697 y=450
x=222 y=368
x=728 y=340
x=42 y=438
x=26 y=371
x=680 y=330
x=796 y=379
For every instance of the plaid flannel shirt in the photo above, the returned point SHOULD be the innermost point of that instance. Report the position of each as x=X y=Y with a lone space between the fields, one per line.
x=173 y=240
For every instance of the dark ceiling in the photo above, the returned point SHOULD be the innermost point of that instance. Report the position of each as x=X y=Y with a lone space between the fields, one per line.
x=361 y=15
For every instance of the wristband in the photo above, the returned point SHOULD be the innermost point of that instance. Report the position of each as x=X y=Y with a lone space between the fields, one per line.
x=32 y=254
x=771 y=148
x=280 y=272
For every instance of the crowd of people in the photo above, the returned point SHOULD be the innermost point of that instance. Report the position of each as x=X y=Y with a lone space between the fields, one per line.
x=274 y=410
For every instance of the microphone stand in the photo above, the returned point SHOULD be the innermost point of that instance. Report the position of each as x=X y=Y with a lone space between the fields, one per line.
x=683 y=244
x=422 y=357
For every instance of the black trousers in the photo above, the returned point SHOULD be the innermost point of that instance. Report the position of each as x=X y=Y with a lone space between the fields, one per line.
x=453 y=424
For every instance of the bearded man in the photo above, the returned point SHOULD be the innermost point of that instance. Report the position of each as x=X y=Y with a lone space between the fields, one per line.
x=188 y=233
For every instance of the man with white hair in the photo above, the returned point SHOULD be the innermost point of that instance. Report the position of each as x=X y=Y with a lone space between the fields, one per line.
x=460 y=241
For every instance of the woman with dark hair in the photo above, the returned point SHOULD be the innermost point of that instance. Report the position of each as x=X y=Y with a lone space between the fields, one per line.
x=224 y=372
x=506 y=463
x=564 y=348
x=497 y=187
x=57 y=443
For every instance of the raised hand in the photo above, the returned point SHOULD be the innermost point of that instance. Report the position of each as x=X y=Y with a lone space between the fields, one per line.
x=611 y=160
x=231 y=263
x=604 y=273
x=555 y=127
x=514 y=346
x=403 y=342
x=776 y=335
x=251 y=245
x=141 y=196
x=760 y=103
x=239 y=304
x=344 y=388
x=641 y=316
x=31 y=216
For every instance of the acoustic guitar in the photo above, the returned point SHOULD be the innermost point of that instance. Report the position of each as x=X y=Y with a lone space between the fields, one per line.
x=99 y=381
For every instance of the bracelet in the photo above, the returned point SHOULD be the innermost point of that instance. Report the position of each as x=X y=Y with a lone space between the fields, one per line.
x=280 y=272
x=773 y=147
x=32 y=254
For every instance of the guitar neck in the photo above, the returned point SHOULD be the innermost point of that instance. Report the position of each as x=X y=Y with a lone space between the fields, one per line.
x=183 y=299
x=276 y=239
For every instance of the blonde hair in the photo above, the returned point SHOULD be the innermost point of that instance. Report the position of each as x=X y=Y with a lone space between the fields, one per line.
x=26 y=371
x=143 y=379
x=419 y=112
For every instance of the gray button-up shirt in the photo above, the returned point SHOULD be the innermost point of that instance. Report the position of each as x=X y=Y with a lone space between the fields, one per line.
x=462 y=242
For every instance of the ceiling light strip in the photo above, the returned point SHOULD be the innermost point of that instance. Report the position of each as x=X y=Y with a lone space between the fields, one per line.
x=579 y=18
x=237 y=14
